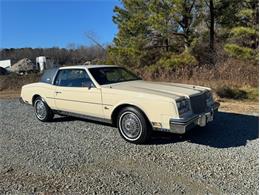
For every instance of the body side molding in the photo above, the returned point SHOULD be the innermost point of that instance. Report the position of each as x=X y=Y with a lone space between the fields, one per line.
x=92 y=118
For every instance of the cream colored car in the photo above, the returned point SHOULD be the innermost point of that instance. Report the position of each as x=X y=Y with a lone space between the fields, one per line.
x=115 y=95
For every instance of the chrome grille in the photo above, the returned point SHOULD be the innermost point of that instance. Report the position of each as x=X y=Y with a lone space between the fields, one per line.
x=198 y=103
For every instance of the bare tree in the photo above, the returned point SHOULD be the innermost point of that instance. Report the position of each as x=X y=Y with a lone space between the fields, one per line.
x=91 y=36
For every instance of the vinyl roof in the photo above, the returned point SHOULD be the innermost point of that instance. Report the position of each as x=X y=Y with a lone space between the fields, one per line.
x=87 y=66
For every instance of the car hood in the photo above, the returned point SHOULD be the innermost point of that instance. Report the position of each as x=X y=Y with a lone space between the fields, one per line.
x=172 y=90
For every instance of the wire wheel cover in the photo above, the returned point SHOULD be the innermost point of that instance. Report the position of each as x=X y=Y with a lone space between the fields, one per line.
x=40 y=109
x=130 y=125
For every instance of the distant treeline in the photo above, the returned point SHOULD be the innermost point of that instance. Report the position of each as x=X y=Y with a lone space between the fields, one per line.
x=62 y=56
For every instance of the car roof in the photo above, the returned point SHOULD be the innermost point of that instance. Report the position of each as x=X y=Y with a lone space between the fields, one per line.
x=87 y=66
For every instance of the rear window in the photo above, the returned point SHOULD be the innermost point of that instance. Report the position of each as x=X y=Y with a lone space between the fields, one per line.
x=48 y=75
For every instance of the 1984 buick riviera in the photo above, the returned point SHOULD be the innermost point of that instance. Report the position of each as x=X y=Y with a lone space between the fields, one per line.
x=115 y=95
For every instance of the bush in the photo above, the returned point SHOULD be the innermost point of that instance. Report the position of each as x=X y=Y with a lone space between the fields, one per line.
x=174 y=61
x=252 y=93
x=242 y=32
x=239 y=52
x=232 y=93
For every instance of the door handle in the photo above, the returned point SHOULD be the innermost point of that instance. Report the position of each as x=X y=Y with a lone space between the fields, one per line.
x=57 y=92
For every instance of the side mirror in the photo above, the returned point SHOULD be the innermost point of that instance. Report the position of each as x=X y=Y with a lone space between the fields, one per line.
x=89 y=85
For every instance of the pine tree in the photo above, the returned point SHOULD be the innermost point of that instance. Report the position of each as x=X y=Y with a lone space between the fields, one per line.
x=243 y=39
x=149 y=29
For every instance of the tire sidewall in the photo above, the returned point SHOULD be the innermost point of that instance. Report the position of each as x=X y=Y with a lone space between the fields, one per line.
x=144 y=134
x=48 y=111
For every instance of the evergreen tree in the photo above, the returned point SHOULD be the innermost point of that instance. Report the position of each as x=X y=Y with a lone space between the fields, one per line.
x=167 y=32
x=243 y=39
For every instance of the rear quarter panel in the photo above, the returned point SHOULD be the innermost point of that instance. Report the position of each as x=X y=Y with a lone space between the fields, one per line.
x=46 y=91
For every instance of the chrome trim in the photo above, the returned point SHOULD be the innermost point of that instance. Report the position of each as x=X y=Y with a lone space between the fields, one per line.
x=92 y=118
x=79 y=101
x=183 y=120
x=54 y=77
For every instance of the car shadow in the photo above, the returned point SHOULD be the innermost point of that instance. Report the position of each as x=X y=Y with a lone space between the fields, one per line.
x=227 y=130
x=62 y=119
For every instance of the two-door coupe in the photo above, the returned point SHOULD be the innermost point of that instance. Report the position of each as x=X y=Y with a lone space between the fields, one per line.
x=115 y=95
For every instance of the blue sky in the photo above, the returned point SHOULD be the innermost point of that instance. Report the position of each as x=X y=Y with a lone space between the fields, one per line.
x=47 y=23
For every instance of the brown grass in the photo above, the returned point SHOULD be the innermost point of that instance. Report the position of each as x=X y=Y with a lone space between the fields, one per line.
x=14 y=82
x=10 y=94
x=231 y=73
x=232 y=79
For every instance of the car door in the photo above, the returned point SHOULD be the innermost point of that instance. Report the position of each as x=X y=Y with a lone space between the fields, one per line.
x=76 y=93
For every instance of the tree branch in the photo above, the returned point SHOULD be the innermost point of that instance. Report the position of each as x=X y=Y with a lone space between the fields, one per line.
x=192 y=5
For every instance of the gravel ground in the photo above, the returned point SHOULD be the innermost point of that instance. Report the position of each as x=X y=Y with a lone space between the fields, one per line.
x=71 y=155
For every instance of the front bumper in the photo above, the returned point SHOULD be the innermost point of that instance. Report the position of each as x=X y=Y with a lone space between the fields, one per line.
x=181 y=126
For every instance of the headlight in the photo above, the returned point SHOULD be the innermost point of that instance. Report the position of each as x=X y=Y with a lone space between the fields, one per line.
x=183 y=106
x=209 y=99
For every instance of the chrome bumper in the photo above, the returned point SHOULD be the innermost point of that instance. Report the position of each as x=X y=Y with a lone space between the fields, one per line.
x=181 y=126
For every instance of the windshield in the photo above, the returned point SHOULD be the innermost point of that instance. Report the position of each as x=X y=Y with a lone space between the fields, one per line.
x=109 y=75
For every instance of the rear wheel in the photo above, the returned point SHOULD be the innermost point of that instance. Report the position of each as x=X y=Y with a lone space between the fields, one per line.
x=42 y=110
x=133 y=126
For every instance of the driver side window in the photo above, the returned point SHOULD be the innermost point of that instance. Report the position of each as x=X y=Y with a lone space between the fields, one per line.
x=73 y=78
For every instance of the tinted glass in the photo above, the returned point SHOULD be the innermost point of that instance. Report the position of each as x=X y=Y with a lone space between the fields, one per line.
x=73 y=78
x=109 y=75
x=48 y=75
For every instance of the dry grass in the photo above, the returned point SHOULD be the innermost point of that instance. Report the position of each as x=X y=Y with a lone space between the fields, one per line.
x=231 y=73
x=237 y=106
x=14 y=82
x=10 y=94
x=232 y=79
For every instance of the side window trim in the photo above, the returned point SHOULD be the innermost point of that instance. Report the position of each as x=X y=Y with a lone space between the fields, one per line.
x=59 y=70
x=55 y=75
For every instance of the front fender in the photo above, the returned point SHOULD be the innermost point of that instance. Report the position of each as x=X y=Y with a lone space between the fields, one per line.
x=154 y=111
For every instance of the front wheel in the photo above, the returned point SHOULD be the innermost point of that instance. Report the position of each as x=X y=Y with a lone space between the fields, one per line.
x=133 y=125
x=42 y=110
